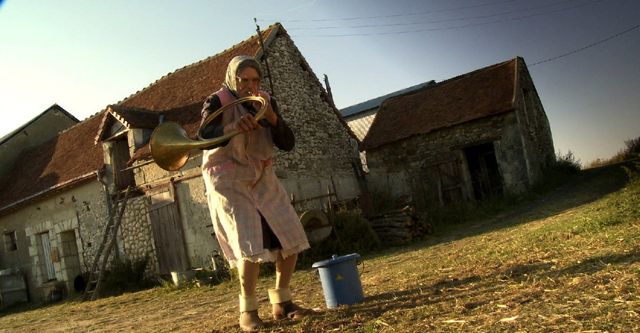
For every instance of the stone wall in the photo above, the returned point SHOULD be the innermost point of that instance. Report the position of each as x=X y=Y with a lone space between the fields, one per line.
x=324 y=151
x=47 y=126
x=402 y=168
x=74 y=223
x=534 y=127
x=135 y=237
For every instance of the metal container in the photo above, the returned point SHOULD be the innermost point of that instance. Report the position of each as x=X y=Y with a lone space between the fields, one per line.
x=13 y=287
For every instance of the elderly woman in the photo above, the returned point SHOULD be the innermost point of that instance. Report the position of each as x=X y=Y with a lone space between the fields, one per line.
x=253 y=219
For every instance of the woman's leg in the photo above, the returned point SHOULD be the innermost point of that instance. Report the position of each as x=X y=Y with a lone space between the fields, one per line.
x=248 y=274
x=284 y=270
x=280 y=297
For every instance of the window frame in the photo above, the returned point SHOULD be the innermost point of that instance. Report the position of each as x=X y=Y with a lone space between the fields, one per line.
x=10 y=241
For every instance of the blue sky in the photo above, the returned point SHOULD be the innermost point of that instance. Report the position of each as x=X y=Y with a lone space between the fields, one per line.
x=84 y=55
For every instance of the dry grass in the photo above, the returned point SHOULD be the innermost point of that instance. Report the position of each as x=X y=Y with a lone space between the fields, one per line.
x=567 y=262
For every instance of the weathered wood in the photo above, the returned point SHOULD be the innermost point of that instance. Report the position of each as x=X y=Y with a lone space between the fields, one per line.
x=168 y=238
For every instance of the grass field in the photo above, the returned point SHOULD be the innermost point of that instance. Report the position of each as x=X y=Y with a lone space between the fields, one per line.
x=566 y=261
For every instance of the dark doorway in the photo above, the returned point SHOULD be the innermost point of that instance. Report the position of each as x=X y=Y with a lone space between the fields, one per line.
x=121 y=156
x=483 y=168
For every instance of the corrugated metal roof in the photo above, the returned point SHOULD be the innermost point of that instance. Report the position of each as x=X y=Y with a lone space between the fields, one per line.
x=375 y=102
x=360 y=125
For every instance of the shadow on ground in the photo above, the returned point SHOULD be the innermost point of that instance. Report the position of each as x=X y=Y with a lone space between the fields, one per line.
x=589 y=186
x=467 y=293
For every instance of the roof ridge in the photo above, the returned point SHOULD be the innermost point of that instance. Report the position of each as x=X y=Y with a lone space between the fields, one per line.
x=246 y=40
x=81 y=122
x=461 y=76
x=455 y=78
x=32 y=120
x=378 y=136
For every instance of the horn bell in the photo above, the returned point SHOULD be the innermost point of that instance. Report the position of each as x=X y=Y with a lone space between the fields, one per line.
x=170 y=145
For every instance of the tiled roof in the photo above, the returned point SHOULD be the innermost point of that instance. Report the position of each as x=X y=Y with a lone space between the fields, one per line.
x=481 y=93
x=180 y=94
x=70 y=157
x=74 y=155
x=129 y=117
x=134 y=117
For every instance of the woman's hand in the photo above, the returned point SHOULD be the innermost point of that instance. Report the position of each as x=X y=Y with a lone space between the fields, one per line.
x=244 y=124
x=269 y=114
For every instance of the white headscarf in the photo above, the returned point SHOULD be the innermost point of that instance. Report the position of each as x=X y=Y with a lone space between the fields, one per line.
x=235 y=65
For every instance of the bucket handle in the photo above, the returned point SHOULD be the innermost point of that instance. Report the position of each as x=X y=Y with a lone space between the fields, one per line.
x=361 y=270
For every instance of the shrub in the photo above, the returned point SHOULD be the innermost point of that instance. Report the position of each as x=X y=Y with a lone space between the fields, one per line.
x=566 y=163
x=126 y=275
x=631 y=150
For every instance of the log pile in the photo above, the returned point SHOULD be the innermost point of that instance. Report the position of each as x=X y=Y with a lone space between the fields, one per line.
x=399 y=226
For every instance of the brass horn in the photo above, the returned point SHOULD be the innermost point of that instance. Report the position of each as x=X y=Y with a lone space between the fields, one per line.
x=170 y=145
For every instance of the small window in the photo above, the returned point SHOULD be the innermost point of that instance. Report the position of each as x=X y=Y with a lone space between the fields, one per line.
x=10 y=242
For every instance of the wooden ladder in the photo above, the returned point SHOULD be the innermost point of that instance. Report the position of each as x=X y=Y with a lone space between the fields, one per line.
x=94 y=280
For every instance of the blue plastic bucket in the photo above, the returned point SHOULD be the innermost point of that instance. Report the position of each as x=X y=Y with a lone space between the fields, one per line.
x=340 y=280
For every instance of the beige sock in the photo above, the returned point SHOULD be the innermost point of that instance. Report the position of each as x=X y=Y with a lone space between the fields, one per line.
x=280 y=295
x=248 y=303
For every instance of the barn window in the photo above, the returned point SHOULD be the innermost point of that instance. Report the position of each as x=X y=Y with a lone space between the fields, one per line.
x=10 y=242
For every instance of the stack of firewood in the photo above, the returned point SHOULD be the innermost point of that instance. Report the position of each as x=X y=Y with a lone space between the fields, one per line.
x=399 y=226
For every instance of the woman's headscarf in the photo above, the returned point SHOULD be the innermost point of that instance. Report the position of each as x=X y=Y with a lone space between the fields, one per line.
x=237 y=64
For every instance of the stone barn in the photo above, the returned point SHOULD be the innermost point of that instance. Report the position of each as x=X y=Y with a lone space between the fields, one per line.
x=319 y=171
x=480 y=134
x=53 y=210
x=36 y=131
x=360 y=116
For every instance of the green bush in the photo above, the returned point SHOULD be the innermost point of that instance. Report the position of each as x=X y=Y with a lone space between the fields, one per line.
x=126 y=275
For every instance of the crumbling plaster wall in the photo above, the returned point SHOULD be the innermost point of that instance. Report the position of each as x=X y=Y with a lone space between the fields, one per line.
x=80 y=211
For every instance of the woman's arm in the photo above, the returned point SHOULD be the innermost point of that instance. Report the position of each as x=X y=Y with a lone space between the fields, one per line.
x=214 y=128
x=281 y=134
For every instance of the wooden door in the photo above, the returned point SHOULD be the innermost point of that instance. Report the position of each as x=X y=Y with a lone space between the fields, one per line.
x=167 y=232
x=50 y=272
x=450 y=182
